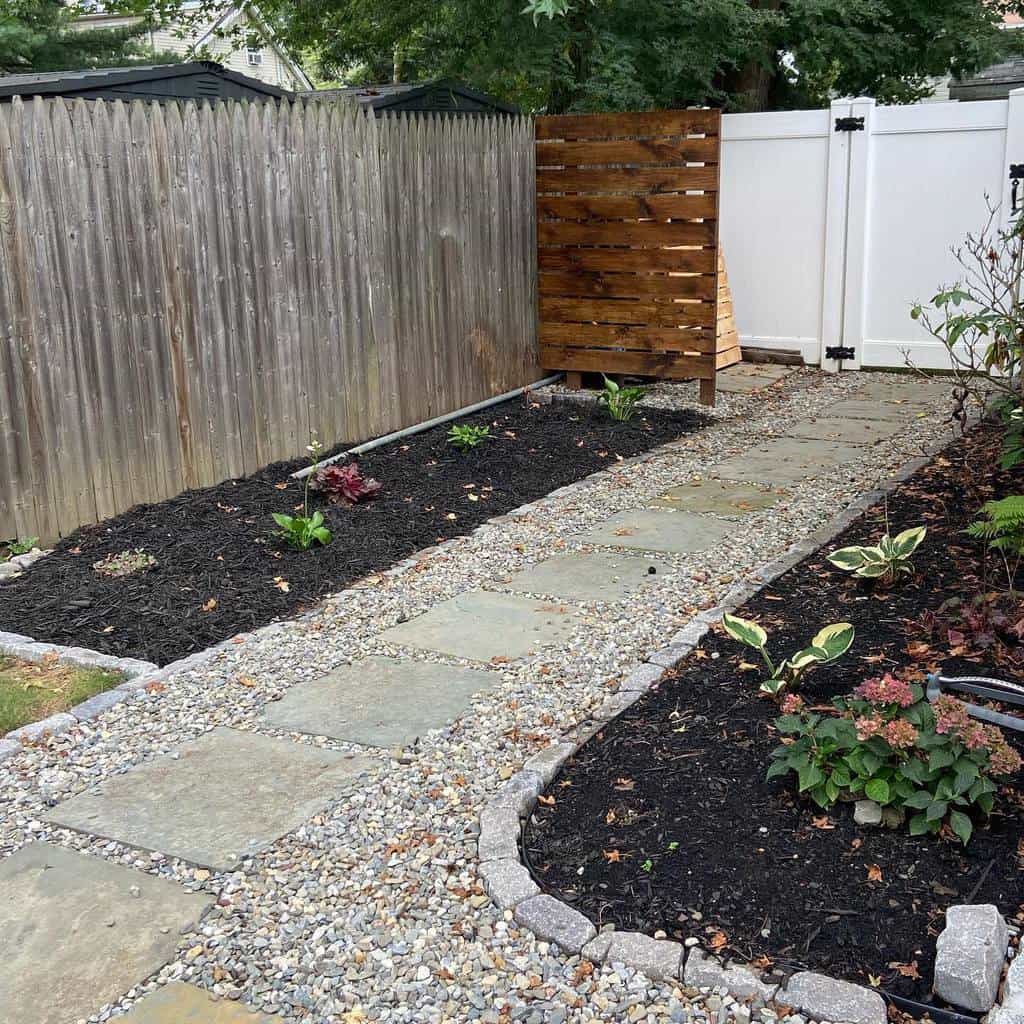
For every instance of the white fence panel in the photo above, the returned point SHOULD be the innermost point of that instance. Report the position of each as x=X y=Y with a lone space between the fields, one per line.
x=830 y=236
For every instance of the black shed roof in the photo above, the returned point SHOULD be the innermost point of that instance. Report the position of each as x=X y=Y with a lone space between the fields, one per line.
x=429 y=97
x=201 y=79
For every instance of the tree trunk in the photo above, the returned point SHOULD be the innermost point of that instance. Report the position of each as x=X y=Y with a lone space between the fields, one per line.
x=752 y=83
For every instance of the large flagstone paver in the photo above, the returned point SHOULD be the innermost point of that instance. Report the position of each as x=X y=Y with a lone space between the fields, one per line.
x=876 y=410
x=849 y=431
x=77 y=932
x=658 y=529
x=746 y=377
x=480 y=625
x=179 y=1003
x=221 y=797
x=785 y=460
x=590 y=576
x=912 y=390
x=380 y=702
x=719 y=497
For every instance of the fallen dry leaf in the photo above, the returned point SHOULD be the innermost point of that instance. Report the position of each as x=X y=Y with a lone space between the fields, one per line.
x=547 y=801
x=612 y=856
x=907 y=970
x=208 y=606
x=874 y=873
x=824 y=822
x=282 y=584
x=718 y=940
x=246 y=681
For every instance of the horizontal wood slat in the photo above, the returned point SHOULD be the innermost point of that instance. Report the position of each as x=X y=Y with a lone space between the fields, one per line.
x=635 y=152
x=640 y=339
x=628 y=286
x=628 y=179
x=645 y=364
x=629 y=283
x=552 y=232
x=652 y=207
x=629 y=261
x=610 y=126
x=627 y=311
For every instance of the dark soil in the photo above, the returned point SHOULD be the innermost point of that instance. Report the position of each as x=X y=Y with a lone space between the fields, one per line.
x=218 y=545
x=664 y=819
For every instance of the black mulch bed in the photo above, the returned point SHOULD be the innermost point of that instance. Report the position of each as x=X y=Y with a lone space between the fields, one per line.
x=685 y=765
x=218 y=544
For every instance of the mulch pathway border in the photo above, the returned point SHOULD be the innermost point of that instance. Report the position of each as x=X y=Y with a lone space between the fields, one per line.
x=507 y=877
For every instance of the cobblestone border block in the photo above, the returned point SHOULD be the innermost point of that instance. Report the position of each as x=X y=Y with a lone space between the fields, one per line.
x=501 y=821
x=13 y=567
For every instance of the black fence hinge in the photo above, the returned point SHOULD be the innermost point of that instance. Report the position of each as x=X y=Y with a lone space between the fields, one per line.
x=1016 y=173
x=849 y=124
x=839 y=352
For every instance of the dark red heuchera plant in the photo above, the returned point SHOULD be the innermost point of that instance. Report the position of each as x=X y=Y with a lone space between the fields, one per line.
x=345 y=485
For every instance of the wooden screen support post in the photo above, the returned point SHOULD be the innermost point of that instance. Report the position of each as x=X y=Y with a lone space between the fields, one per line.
x=627 y=236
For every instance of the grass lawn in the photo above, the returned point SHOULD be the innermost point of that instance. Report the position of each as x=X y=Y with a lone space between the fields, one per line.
x=30 y=691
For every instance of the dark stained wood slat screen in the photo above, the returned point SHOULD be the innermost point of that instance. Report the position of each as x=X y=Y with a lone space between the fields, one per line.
x=627 y=236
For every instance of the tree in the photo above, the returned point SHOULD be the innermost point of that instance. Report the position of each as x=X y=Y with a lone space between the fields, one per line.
x=597 y=55
x=37 y=35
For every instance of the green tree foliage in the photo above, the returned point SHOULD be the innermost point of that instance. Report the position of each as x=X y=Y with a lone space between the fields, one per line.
x=593 y=55
x=37 y=35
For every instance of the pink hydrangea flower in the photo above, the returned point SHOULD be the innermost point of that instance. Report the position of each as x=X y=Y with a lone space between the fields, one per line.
x=886 y=689
x=868 y=726
x=950 y=715
x=1004 y=760
x=900 y=734
x=975 y=737
x=792 y=704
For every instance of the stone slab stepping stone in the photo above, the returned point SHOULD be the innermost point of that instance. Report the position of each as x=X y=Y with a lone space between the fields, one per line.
x=590 y=576
x=223 y=796
x=79 y=931
x=719 y=497
x=656 y=529
x=876 y=410
x=785 y=460
x=480 y=626
x=380 y=702
x=178 y=1003
x=848 y=431
x=749 y=377
x=913 y=391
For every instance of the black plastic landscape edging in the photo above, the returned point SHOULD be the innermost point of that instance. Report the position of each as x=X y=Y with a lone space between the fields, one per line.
x=512 y=886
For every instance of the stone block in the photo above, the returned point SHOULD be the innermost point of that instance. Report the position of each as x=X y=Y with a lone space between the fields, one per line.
x=507 y=882
x=659 y=959
x=740 y=982
x=970 y=955
x=642 y=678
x=554 y=921
x=499 y=833
x=829 y=999
x=547 y=762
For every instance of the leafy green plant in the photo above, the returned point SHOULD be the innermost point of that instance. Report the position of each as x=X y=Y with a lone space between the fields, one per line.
x=304 y=531
x=1001 y=527
x=465 y=437
x=884 y=742
x=124 y=563
x=21 y=547
x=828 y=644
x=887 y=560
x=619 y=401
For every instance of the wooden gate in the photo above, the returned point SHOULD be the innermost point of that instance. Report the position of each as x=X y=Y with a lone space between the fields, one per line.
x=627 y=235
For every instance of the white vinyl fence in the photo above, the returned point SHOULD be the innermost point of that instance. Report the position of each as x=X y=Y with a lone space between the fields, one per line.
x=830 y=236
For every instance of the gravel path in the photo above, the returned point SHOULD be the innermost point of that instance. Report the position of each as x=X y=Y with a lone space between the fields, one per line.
x=375 y=911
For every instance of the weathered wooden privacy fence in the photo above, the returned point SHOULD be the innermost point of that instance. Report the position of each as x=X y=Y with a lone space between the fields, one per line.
x=627 y=208
x=186 y=293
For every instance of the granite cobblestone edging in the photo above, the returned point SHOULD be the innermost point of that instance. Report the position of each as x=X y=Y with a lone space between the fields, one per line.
x=511 y=886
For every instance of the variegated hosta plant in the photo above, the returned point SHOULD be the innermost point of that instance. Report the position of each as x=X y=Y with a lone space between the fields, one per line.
x=828 y=644
x=887 y=560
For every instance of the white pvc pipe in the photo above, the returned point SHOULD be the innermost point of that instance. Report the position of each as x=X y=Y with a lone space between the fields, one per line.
x=397 y=435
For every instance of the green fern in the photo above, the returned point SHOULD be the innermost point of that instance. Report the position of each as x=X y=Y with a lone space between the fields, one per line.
x=1001 y=527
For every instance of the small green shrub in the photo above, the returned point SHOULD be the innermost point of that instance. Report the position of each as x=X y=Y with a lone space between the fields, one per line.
x=620 y=402
x=886 y=743
x=886 y=561
x=1001 y=527
x=303 y=531
x=828 y=644
x=124 y=563
x=465 y=437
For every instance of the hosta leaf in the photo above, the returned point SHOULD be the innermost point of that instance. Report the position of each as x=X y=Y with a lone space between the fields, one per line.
x=749 y=633
x=906 y=543
x=808 y=656
x=873 y=570
x=834 y=640
x=847 y=558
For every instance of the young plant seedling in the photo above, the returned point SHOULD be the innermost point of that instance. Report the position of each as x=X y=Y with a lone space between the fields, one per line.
x=619 y=401
x=303 y=531
x=828 y=644
x=21 y=547
x=1001 y=527
x=886 y=561
x=465 y=437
